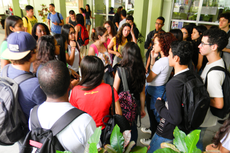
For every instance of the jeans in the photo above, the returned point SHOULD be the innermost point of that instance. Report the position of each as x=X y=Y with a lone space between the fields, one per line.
x=199 y=144
x=155 y=92
x=156 y=143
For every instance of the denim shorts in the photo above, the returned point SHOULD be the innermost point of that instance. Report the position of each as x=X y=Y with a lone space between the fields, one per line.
x=87 y=22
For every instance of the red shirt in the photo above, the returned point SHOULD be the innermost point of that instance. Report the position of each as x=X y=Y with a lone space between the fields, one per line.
x=95 y=102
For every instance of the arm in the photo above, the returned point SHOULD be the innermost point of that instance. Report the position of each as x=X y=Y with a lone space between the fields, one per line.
x=91 y=15
x=142 y=99
x=226 y=50
x=110 y=46
x=62 y=23
x=200 y=61
x=70 y=59
x=117 y=81
x=217 y=102
x=91 y=51
x=118 y=108
x=117 y=24
x=152 y=75
x=77 y=29
x=48 y=21
x=133 y=35
x=147 y=64
x=67 y=20
x=148 y=40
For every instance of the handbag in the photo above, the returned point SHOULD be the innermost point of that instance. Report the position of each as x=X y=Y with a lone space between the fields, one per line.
x=114 y=119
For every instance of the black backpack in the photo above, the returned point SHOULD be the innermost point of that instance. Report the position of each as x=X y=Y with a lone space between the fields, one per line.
x=57 y=15
x=41 y=140
x=195 y=101
x=13 y=123
x=27 y=18
x=221 y=113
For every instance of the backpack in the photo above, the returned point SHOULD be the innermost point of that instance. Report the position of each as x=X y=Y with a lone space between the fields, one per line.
x=57 y=16
x=195 y=101
x=41 y=140
x=127 y=100
x=27 y=18
x=221 y=113
x=13 y=123
x=83 y=36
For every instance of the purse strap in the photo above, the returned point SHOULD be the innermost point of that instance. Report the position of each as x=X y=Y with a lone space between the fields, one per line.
x=113 y=101
x=124 y=79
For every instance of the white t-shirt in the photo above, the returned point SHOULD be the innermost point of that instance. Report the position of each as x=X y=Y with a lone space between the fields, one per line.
x=214 y=88
x=226 y=141
x=163 y=70
x=121 y=23
x=75 y=136
x=75 y=65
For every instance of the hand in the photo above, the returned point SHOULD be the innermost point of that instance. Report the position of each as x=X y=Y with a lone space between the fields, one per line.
x=153 y=54
x=74 y=74
x=72 y=43
x=158 y=98
x=55 y=23
x=143 y=113
x=118 y=54
x=74 y=82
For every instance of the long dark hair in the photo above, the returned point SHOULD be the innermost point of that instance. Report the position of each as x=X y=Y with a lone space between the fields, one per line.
x=89 y=9
x=113 y=30
x=10 y=21
x=133 y=63
x=45 y=51
x=201 y=29
x=120 y=34
x=61 y=41
x=80 y=19
x=82 y=9
x=189 y=30
x=65 y=32
x=92 y=71
x=35 y=28
x=223 y=130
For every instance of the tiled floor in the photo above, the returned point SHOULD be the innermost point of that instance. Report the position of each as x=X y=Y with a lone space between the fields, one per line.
x=145 y=123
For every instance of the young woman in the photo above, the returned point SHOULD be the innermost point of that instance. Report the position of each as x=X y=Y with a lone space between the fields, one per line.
x=118 y=42
x=98 y=49
x=12 y=24
x=221 y=140
x=88 y=15
x=40 y=29
x=199 y=60
x=62 y=42
x=135 y=73
x=187 y=31
x=89 y=95
x=82 y=11
x=47 y=48
x=73 y=54
x=158 y=77
x=111 y=31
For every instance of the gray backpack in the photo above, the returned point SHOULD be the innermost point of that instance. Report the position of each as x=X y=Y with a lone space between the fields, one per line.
x=13 y=123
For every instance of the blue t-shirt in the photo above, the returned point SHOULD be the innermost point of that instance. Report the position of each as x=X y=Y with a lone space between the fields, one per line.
x=29 y=93
x=54 y=18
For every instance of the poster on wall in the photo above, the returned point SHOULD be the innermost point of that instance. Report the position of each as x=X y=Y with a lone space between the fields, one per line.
x=177 y=25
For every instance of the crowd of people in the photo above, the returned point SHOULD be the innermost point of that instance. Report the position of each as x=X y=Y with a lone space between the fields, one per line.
x=66 y=75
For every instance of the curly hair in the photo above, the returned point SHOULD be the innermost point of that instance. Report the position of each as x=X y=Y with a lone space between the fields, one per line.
x=165 y=39
x=120 y=34
x=46 y=51
x=35 y=28
x=224 y=130
x=113 y=30
x=132 y=62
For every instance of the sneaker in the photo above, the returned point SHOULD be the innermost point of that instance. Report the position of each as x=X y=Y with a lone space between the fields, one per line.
x=146 y=130
x=145 y=142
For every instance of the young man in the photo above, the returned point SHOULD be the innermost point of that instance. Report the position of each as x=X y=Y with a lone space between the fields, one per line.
x=171 y=111
x=29 y=20
x=130 y=20
x=56 y=20
x=123 y=19
x=224 y=23
x=56 y=84
x=212 y=43
x=71 y=19
x=22 y=52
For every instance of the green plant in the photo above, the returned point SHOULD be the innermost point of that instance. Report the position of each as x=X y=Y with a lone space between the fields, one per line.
x=43 y=12
x=182 y=143
x=140 y=38
x=119 y=143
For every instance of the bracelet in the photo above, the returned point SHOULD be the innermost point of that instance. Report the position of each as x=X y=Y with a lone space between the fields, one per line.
x=151 y=64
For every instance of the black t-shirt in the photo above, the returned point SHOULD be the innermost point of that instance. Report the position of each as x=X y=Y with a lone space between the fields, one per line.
x=171 y=110
x=87 y=14
x=116 y=18
x=136 y=95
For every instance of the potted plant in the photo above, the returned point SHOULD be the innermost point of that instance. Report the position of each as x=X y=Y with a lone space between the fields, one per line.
x=43 y=12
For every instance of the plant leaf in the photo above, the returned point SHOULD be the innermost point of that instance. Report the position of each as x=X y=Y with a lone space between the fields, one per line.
x=169 y=145
x=196 y=150
x=117 y=139
x=138 y=149
x=101 y=150
x=165 y=150
x=129 y=147
x=109 y=149
x=93 y=148
x=95 y=137
x=179 y=140
x=127 y=137
x=191 y=140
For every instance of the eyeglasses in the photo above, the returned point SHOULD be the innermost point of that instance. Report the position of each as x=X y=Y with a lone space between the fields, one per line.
x=202 y=44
